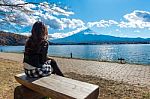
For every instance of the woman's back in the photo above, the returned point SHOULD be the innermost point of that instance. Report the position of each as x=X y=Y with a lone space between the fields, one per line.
x=35 y=53
x=36 y=62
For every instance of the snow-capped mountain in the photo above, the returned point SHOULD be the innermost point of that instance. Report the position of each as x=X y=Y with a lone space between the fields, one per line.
x=88 y=36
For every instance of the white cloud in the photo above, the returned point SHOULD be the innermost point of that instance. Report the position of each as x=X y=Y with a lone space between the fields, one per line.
x=49 y=14
x=54 y=9
x=17 y=14
x=123 y=24
x=62 y=35
x=72 y=23
x=60 y=23
x=59 y=11
x=137 y=16
x=25 y=33
x=23 y=18
x=112 y=22
x=117 y=30
x=51 y=21
x=14 y=1
x=102 y=23
x=136 y=19
x=136 y=31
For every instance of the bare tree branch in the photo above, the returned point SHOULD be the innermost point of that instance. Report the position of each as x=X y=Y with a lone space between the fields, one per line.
x=25 y=13
x=22 y=4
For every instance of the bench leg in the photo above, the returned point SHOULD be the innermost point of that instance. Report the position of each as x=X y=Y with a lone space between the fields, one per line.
x=22 y=92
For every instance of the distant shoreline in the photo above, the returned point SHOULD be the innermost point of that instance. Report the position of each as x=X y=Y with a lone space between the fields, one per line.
x=99 y=43
x=105 y=61
x=97 y=60
x=85 y=44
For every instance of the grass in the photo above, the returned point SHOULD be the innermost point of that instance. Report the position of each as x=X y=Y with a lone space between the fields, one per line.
x=109 y=89
x=7 y=82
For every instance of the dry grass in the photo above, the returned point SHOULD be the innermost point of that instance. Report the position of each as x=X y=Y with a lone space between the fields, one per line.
x=108 y=89
x=7 y=82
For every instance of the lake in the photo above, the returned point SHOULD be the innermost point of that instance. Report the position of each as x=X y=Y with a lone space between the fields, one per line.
x=132 y=53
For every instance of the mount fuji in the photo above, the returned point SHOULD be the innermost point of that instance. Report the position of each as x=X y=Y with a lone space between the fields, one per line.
x=88 y=36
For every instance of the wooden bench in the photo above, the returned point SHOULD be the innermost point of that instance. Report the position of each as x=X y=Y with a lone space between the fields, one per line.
x=57 y=87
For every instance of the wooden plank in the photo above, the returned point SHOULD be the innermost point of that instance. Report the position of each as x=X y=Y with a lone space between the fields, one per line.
x=58 y=87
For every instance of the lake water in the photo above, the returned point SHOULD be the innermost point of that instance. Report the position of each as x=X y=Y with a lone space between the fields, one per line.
x=132 y=53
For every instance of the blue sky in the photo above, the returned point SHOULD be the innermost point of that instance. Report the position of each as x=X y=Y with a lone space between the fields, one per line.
x=96 y=10
x=93 y=10
x=121 y=18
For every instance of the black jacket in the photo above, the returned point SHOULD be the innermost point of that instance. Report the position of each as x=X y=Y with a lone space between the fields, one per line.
x=36 y=53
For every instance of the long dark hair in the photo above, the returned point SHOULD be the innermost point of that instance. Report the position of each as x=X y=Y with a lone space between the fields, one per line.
x=39 y=32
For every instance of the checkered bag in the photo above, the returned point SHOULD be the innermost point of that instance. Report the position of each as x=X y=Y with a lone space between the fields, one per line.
x=40 y=72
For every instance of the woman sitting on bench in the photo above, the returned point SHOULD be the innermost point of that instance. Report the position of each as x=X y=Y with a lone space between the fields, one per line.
x=36 y=62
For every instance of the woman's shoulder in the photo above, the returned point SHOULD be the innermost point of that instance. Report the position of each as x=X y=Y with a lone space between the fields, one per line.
x=29 y=40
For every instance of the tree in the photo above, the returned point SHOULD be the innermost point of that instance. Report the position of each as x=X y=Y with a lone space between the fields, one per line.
x=20 y=13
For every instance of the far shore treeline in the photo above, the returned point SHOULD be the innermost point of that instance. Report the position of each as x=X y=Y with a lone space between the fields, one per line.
x=12 y=39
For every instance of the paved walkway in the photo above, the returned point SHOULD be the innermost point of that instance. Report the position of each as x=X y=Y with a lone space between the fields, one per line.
x=133 y=74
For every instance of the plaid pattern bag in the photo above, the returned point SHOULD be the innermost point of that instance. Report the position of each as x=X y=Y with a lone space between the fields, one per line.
x=40 y=72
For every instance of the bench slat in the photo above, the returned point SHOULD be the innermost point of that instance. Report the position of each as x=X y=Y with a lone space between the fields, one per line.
x=58 y=87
